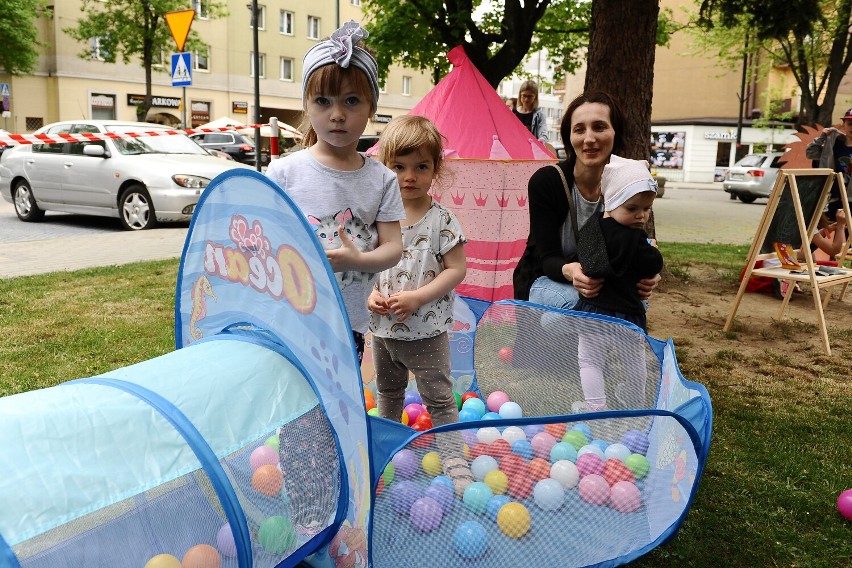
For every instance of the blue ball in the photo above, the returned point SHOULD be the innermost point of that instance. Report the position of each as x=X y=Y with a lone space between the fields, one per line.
x=445 y=496
x=494 y=504
x=468 y=415
x=602 y=444
x=403 y=495
x=584 y=428
x=476 y=496
x=491 y=416
x=523 y=448
x=476 y=405
x=412 y=397
x=636 y=440
x=443 y=480
x=470 y=540
x=563 y=451
x=532 y=429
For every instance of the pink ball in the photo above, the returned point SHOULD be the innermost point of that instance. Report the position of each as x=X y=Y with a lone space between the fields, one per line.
x=496 y=400
x=844 y=504
x=594 y=489
x=625 y=497
x=542 y=443
x=505 y=356
x=263 y=455
x=413 y=410
x=590 y=464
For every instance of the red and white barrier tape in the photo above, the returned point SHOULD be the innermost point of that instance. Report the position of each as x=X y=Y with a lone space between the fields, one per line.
x=14 y=139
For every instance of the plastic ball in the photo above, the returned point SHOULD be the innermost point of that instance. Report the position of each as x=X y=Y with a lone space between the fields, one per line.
x=469 y=436
x=263 y=455
x=476 y=405
x=369 y=396
x=380 y=486
x=556 y=430
x=514 y=520
x=636 y=440
x=638 y=464
x=594 y=489
x=373 y=412
x=405 y=463
x=413 y=411
x=276 y=534
x=488 y=434
x=201 y=556
x=576 y=438
x=617 y=451
x=499 y=448
x=505 y=355
x=589 y=464
x=476 y=496
x=584 y=428
x=510 y=410
x=590 y=449
x=565 y=472
x=443 y=494
x=491 y=416
x=497 y=481
x=523 y=448
x=412 y=397
x=426 y=514
x=163 y=561
x=602 y=444
x=369 y=405
x=272 y=442
x=443 y=480
x=423 y=422
x=513 y=433
x=562 y=451
x=431 y=463
x=542 y=443
x=389 y=474
x=615 y=471
x=470 y=540
x=520 y=486
x=468 y=415
x=539 y=469
x=225 y=541
x=458 y=398
x=403 y=418
x=403 y=495
x=513 y=464
x=532 y=429
x=267 y=479
x=480 y=449
x=481 y=466
x=625 y=497
x=496 y=399
x=548 y=494
x=467 y=395
x=844 y=504
x=495 y=504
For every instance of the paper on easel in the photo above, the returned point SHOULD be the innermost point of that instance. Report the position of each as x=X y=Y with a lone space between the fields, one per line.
x=786 y=254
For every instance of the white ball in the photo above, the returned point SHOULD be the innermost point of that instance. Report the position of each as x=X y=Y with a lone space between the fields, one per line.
x=549 y=494
x=566 y=473
x=482 y=466
x=513 y=433
x=510 y=410
x=617 y=451
x=488 y=435
x=590 y=449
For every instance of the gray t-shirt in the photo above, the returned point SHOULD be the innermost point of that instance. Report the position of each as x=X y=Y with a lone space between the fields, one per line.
x=355 y=199
x=585 y=210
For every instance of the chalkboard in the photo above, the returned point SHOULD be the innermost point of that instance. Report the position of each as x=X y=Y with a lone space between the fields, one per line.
x=784 y=228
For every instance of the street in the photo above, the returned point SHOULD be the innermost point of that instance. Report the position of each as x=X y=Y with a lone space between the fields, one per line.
x=70 y=242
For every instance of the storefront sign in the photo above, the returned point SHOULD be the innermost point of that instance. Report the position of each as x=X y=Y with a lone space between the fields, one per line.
x=239 y=107
x=167 y=102
x=667 y=149
x=385 y=118
x=720 y=136
x=102 y=101
x=200 y=113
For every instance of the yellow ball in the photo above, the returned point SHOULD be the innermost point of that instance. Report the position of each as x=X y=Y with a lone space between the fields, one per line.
x=514 y=520
x=163 y=561
x=404 y=418
x=432 y=464
x=466 y=452
x=497 y=481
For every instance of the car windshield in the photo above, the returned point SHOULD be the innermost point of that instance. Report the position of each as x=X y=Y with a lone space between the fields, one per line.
x=751 y=161
x=167 y=144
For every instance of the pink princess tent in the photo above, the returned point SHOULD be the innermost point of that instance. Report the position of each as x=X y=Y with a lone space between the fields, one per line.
x=491 y=156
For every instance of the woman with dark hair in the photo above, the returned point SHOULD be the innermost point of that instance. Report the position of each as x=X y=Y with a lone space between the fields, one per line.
x=562 y=198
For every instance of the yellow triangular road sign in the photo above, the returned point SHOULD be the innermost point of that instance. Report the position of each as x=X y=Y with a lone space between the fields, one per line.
x=179 y=23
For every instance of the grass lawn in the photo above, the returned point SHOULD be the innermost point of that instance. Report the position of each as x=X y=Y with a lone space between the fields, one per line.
x=778 y=459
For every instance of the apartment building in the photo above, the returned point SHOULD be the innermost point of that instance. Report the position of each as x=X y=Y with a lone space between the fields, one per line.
x=66 y=86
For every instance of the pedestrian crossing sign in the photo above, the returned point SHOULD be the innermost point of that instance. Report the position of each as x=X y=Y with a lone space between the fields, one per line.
x=181 y=69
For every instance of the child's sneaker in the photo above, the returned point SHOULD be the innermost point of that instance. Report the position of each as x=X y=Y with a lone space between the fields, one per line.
x=459 y=473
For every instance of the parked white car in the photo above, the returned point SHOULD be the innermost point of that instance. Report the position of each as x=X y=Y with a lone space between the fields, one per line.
x=142 y=181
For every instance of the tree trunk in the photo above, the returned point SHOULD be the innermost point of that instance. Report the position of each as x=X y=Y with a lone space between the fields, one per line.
x=622 y=48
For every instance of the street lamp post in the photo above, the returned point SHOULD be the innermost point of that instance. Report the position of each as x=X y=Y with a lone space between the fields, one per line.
x=256 y=59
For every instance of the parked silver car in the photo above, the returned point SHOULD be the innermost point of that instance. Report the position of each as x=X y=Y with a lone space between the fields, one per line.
x=142 y=181
x=753 y=176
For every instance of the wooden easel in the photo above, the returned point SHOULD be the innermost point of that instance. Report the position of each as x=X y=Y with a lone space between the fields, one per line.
x=787 y=181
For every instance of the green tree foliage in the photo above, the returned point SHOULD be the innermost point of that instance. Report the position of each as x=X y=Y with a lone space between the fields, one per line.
x=132 y=30
x=20 y=35
x=811 y=37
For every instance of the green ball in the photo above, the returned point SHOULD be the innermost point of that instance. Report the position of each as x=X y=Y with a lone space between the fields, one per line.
x=458 y=400
x=389 y=474
x=373 y=412
x=638 y=464
x=575 y=438
x=276 y=535
x=272 y=442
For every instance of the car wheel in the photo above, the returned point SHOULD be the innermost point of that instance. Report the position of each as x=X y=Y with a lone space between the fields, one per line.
x=136 y=209
x=747 y=198
x=25 y=203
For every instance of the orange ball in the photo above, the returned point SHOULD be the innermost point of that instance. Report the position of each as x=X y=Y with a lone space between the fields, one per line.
x=370 y=404
x=499 y=448
x=615 y=471
x=267 y=479
x=202 y=556
x=520 y=486
x=539 y=469
x=368 y=396
x=556 y=430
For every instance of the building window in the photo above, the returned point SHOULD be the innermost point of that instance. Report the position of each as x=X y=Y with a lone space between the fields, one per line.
x=313 y=27
x=406 y=85
x=261 y=17
x=383 y=86
x=285 y=24
x=201 y=59
x=102 y=107
x=262 y=58
x=97 y=48
x=286 y=69
x=158 y=58
x=202 y=10
x=33 y=123
x=356 y=2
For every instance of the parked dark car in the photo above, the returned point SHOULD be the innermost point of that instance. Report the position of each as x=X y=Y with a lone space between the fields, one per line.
x=366 y=142
x=753 y=176
x=239 y=146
